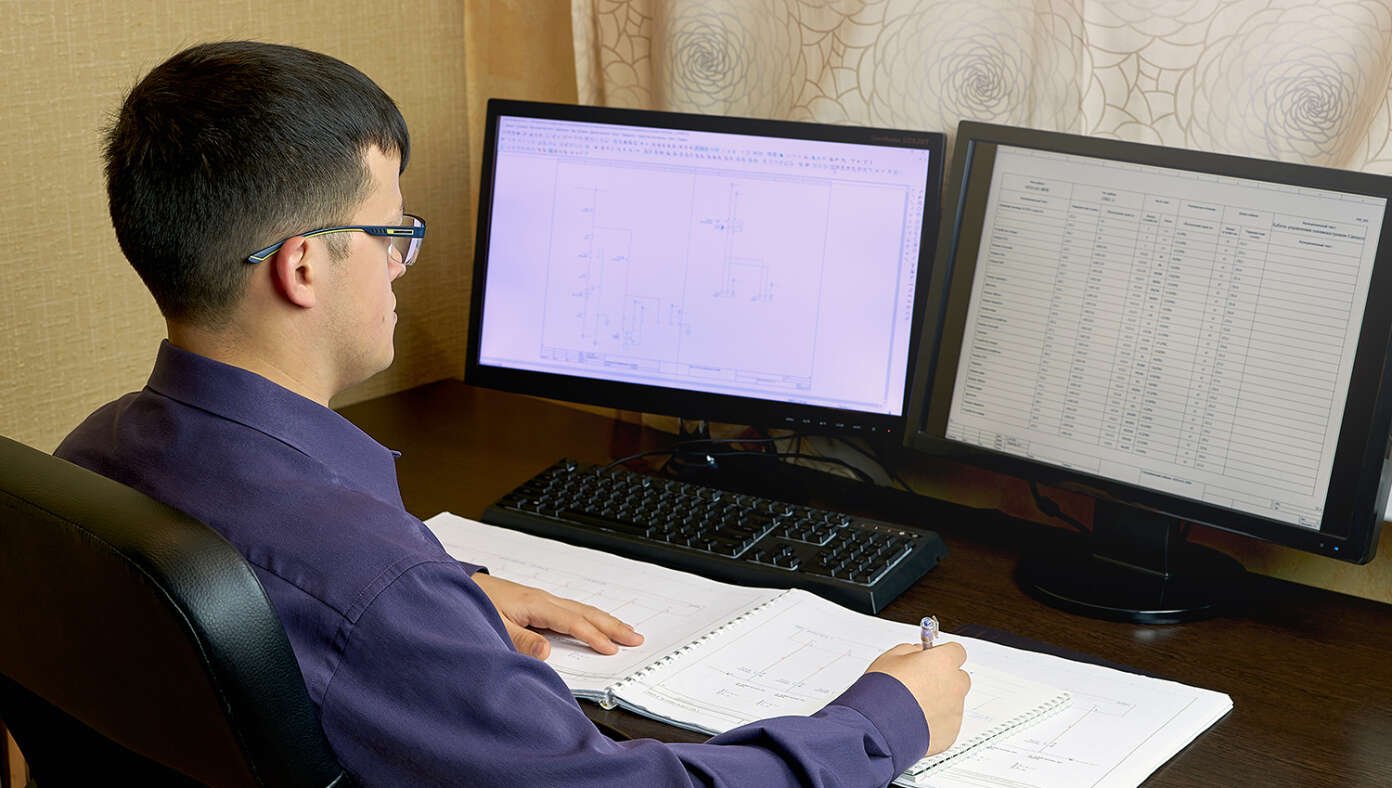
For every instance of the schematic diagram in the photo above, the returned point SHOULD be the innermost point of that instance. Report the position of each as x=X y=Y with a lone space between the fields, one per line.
x=718 y=280
x=742 y=277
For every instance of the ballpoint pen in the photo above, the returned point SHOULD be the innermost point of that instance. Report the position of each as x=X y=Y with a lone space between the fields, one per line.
x=928 y=630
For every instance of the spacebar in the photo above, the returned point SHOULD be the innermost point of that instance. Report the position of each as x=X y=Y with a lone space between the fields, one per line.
x=604 y=523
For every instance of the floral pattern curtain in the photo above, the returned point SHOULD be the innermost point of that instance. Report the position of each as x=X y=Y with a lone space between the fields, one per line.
x=1295 y=80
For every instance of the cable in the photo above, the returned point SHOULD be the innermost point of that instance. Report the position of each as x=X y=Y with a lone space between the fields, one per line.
x=797 y=455
x=636 y=456
x=750 y=440
x=781 y=455
x=677 y=448
x=1051 y=508
x=878 y=460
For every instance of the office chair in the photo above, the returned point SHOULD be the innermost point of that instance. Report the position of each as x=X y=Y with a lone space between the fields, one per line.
x=137 y=646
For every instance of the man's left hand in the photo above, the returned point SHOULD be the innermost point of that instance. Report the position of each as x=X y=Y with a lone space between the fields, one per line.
x=523 y=606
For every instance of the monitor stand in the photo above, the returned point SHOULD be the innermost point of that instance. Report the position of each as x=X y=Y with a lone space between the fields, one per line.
x=694 y=456
x=699 y=459
x=1135 y=566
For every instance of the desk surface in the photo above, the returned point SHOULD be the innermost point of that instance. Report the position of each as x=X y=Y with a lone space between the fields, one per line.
x=1309 y=671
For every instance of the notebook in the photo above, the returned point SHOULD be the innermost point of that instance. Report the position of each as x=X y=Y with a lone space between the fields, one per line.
x=717 y=656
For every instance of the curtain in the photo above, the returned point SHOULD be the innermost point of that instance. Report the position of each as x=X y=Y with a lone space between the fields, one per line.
x=1295 y=80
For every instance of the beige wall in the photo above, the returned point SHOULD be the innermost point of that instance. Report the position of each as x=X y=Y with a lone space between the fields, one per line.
x=79 y=329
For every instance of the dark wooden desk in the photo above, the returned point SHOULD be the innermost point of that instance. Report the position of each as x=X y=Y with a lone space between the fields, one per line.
x=1309 y=671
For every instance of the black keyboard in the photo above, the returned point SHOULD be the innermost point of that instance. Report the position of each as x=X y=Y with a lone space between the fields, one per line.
x=859 y=563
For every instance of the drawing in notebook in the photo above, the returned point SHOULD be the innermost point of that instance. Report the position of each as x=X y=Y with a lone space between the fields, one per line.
x=717 y=656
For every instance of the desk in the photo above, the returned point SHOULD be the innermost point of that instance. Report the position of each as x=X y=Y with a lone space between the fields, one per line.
x=1309 y=671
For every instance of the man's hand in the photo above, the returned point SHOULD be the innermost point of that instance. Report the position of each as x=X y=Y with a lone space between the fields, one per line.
x=937 y=681
x=523 y=606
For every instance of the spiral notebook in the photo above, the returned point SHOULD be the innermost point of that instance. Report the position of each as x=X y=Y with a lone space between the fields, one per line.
x=794 y=653
x=716 y=655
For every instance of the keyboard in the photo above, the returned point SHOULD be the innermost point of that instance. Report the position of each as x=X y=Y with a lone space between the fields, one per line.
x=860 y=563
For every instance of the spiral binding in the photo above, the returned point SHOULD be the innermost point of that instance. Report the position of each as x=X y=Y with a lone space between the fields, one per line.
x=609 y=701
x=1055 y=703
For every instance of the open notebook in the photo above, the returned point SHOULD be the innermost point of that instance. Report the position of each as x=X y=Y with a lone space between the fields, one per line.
x=717 y=656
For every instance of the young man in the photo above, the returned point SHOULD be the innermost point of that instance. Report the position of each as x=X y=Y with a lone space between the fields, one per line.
x=255 y=190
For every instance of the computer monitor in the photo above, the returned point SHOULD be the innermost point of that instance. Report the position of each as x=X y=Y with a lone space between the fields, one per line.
x=748 y=271
x=1187 y=337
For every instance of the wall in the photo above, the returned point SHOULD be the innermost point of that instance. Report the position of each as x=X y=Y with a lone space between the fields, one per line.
x=79 y=328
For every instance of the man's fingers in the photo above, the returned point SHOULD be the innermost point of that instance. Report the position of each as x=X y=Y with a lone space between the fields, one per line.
x=527 y=641
x=955 y=651
x=522 y=607
x=611 y=627
x=568 y=621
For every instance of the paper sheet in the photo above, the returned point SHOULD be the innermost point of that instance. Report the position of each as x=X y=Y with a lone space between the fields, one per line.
x=794 y=656
x=1118 y=728
x=670 y=609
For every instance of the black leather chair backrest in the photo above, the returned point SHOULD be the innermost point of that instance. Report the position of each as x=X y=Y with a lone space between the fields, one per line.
x=137 y=646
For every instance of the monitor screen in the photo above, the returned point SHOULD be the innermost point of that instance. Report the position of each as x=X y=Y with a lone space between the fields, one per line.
x=740 y=270
x=1200 y=335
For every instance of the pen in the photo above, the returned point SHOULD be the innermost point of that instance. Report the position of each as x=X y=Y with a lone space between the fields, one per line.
x=928 y=630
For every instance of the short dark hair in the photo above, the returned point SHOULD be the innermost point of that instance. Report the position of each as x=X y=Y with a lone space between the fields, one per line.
x=228 y=147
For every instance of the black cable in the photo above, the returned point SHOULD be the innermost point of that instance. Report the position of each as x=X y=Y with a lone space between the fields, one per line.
x=1051 y=508
x=797 y=455
x=878 y=460
x=677 y=448
x=636 y=456
x=894 y=475
x=782 y=455
x=789 y=436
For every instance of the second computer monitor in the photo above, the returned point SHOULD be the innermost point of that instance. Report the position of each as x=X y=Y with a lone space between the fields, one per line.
x=1198 y=337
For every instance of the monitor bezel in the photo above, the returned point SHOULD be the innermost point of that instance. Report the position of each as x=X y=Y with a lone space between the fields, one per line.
x=881 y=428
x=1360 y=476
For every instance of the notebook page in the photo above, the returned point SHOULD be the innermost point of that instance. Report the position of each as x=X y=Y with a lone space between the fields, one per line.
x=797 y=653
x=669 y=608
x=1118 y=728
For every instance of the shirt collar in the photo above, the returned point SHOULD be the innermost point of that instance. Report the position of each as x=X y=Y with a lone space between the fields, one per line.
x=244 y=397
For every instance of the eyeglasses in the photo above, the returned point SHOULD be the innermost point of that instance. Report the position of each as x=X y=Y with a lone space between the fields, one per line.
x=403 y=241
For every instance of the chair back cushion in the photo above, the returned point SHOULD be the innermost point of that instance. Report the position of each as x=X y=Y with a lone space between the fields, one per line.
x=147 y=629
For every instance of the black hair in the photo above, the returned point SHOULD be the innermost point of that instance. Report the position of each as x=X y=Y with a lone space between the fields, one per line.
x=226 y=148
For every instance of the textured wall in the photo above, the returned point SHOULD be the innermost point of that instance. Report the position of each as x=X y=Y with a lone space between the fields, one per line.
x=1294 y=80
x=78 y=326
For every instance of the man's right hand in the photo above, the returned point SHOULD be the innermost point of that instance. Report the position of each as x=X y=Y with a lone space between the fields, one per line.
x=938 y=683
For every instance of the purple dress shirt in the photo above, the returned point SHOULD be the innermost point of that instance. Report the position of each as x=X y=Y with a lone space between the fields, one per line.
x=414 y=676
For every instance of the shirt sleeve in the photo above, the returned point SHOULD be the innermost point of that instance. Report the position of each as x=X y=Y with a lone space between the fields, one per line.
x=430 y=691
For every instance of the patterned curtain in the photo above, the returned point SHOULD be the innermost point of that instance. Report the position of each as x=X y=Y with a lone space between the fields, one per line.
x=1295 y=80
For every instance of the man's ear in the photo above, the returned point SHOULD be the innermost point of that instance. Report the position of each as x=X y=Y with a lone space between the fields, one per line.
x=293 y=272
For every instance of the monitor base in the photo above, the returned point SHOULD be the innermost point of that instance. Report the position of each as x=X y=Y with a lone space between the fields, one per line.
x=1152 y=576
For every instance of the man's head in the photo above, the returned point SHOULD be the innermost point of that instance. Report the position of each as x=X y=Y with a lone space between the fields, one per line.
x=226 y=148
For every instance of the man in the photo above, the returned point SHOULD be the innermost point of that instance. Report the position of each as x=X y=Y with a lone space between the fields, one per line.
x=255 y=189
